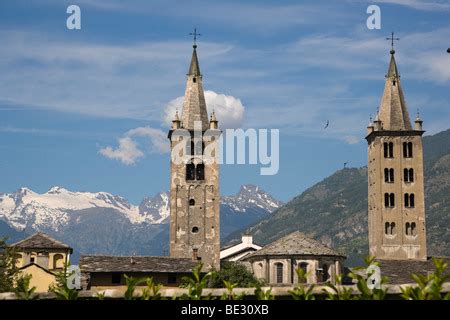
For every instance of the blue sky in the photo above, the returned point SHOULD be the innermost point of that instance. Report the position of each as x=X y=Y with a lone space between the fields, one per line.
x=290 y=65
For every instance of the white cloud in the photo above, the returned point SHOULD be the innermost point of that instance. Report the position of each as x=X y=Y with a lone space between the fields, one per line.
x=352 y=139
x=425 y=5
x=229 y=110
x=127 y=152
x=158 y=138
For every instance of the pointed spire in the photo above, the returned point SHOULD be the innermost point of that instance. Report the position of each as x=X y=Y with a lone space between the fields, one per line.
x=194 y=105
x=194 y=68
x=393 y=110
x=213 y=123
x=392 y=71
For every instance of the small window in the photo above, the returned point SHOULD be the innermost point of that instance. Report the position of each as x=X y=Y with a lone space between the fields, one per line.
x=409 y=200
x=407 y=149
x=408 y=228
x=171 y=278
x=191 y=202
x=388 y=175
x=388 y=149
x=413 y=229
x=194 y=79
x=32 y=260
x=389 y=200
x=279 y=270
x=200 y=171
x=190 y=171
x=325 y=272
x=408 y=175
x=116 y=278
x=195 y=230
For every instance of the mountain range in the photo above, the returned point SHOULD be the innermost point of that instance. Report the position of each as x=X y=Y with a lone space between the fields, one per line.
x=334 y=210
x=102 y=223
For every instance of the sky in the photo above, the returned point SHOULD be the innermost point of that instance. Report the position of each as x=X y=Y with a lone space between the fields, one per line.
x=90 y=109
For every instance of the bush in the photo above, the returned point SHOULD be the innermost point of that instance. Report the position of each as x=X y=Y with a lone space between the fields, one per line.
x=234 y=273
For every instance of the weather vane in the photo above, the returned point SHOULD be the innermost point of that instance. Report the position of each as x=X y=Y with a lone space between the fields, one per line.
x=392 y=41
x=195 y=34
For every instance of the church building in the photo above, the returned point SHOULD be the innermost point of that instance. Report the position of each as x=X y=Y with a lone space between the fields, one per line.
x=194 y=182
x=396 y=204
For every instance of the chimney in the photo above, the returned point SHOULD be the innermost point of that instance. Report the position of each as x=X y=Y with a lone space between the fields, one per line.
x=195 y=255
x=247 y=239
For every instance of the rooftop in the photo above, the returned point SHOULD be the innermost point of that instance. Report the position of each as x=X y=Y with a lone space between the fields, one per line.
x=96 y=263
x=40 y=240
x=295 y=244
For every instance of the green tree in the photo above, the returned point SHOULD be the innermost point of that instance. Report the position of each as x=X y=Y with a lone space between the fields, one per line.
x=8 y=269
x=234 y=273
x=61 y=289
x=429 y=287
x=23 y=290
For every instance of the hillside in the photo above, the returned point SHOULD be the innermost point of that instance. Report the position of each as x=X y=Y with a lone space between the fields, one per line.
x=334 y=210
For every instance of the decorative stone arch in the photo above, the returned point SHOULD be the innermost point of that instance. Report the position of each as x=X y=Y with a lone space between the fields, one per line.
x=58 y=261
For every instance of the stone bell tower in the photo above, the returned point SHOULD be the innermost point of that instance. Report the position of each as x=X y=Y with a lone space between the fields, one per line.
x=396 y=205
x=194 y=181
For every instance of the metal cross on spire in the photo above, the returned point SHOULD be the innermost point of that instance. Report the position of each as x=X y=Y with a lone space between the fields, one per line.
x=195 y=34
x=392 y=42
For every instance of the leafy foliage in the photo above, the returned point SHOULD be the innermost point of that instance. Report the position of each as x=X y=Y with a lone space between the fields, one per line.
x=261 y=294
x=23 y=290
x=235 y=273
x=302 y=291
x=429 y=287
x=8 y=269
x=61 y=289
x=230 y=295
x=196 y=283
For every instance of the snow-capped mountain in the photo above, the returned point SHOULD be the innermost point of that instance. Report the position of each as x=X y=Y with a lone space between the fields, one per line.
x=251 y=196
x=26 y=208
x=99 y=222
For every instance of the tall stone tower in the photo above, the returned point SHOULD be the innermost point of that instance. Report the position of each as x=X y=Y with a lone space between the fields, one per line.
x=194 y=182
x=395 y=174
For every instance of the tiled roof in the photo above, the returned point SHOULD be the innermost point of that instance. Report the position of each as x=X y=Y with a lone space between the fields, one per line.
x=295 y=244
x=399 y=271
x=40 y=240
x=135 y=264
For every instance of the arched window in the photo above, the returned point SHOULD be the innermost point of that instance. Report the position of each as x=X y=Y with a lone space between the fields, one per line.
x=388 y=175
x=191 y=202
x=388 y=149
x=387 y=228
x=389 y=200
x=279 y=271
x=192 y=148
x=200 y=172
x=195 y=230
x=407 y=149
x=409 y=200
x=408 y=229
x=190 y=171
x=393 y=231
x=408 y=175
x=58 y=261
x=413 y=229
x=325 y=272
x=304 y=267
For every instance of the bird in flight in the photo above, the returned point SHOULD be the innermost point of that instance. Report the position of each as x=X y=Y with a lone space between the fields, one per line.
x=328 y=123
